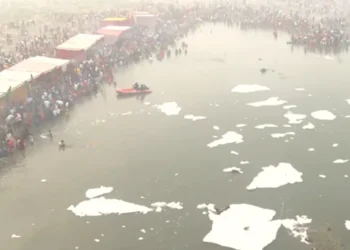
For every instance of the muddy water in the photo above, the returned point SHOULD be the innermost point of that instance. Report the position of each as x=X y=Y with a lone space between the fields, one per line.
x=148 y=156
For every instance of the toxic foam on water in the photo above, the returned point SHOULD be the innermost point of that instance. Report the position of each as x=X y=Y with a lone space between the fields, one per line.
x=340 y=161
x=194 y=118
x=161 y=204
x=322 y=176
x=102 y=206
x=246 y=88
x=298 y=227
x=289 y=106
x=274 y=177
x=294 y=118
x=281 y=135
x=241 y=125
x=299 y=89
x=169 y=108
x=216 y=128
x=233 y=170
x=229 y=137
x=243 y=227
x=262 y=126
x=210 y=207
x=324 y=115
x=273 y=101
x=309 y=126
x=95 y=192
x=347 y=224
x=248 y=227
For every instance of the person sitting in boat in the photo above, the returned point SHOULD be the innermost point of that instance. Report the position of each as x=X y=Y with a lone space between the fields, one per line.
x=136 y=85
x=143 y=87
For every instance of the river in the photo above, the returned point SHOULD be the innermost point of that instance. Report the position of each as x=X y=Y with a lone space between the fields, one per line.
x=148 y=156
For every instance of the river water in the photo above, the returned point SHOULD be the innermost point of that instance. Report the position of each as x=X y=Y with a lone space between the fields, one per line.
x=148 y=156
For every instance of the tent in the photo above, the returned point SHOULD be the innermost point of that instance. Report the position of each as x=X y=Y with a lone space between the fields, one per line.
x=75 y=48
x=116 y=21
x=19 y=75
x=114 y=33
x=146 y=20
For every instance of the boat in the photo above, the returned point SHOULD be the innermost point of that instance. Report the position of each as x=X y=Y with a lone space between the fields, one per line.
x=132 y=91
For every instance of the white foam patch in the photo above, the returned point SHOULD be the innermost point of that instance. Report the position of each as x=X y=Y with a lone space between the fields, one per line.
x=216 y=128
x=233 y=170
x=298 y=227
x=311 y=149
x=43 y=136
x=169 y=108
x=147 y=103
x=244 y=162
x=274 y=177
x=289 y=106
x=194 y=118
x=15 y=236
x=263 y=126
x=210 y=207
x=95 y=192
x=243 y=227
x=322 y=176
x=335 y=145
x=241 y=125
x=324 y=115
x=309 y=126
x=229 y=137
x=294 y=118
x=127 y=113
x=299 y=89
x=281 y=135
x=161 y=204
x=329 y=58
x=43 y=180
x=273 y=101
x=102 y=206
x=246 y=88
x=234 y=153
x=347 y=224
x=340 y=161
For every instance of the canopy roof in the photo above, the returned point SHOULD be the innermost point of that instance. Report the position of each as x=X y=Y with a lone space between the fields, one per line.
x=18 y=74
x=80 y=42
x=113 y=30
x=115 y=19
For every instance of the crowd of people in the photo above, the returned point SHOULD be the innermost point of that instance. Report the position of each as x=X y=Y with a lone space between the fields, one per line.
x=56 y=97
